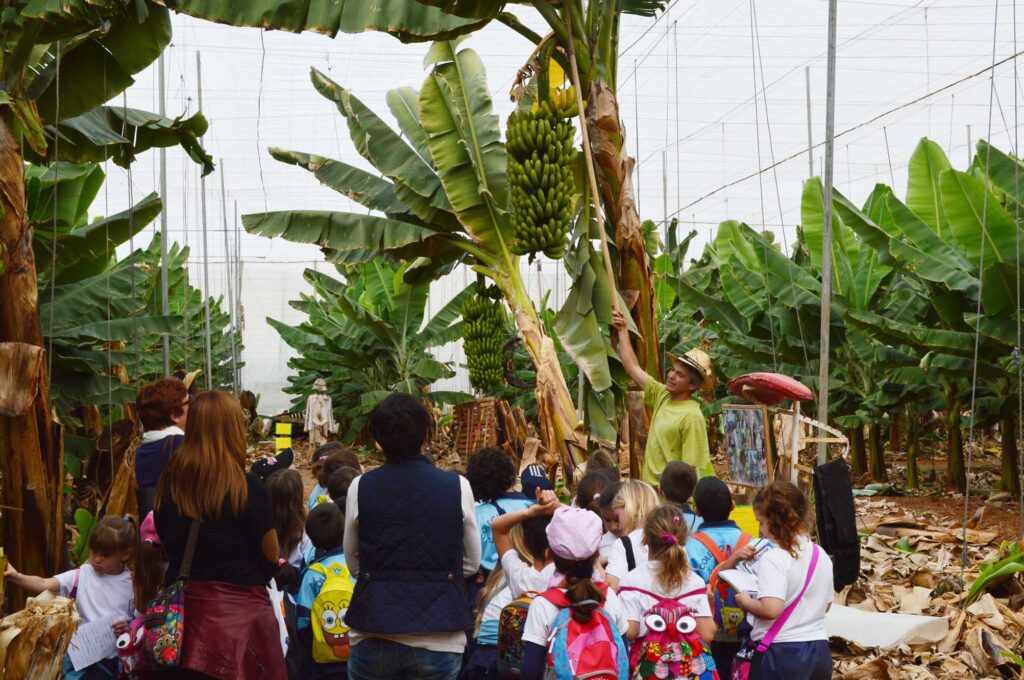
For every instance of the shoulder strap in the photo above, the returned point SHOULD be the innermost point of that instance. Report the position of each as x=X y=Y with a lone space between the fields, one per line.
x=712 y=547
x=773 y=632
x=190 y=550
x=743 y=540
x=631 y=589
x=627 y=545
x=74 y=588
x=555 y=597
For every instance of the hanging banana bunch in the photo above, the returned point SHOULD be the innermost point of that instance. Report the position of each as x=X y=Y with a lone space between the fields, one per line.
x=540 y=172
x=483 y=333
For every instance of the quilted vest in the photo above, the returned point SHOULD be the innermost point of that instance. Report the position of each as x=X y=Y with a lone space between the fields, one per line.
x=410 y=552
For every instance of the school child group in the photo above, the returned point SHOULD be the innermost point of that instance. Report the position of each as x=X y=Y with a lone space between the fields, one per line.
x=408 y=571
x=617 y=586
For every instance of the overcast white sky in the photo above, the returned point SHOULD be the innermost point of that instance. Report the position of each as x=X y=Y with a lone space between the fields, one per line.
x=686 y=83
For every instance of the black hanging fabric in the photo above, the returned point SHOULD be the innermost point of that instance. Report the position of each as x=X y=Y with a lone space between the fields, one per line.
x=837 y=521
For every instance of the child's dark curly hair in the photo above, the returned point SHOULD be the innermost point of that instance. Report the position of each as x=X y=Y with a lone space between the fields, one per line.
x=491 y=473
x=784 y=507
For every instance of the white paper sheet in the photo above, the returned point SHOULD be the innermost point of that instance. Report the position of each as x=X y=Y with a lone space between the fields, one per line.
x=742 y=581
x=92 y=642
x=882 y=629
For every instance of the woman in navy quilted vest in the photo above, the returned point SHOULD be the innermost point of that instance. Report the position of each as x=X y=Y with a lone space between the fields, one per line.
x=410 y=539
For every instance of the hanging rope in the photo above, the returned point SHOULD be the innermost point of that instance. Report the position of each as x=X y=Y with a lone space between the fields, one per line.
x=259 y=116
x=775 y=180
x=131 y=235
x=1017 y=349
x=981 y=287
x=892 y=177
x=760 y=187
x=53 y=245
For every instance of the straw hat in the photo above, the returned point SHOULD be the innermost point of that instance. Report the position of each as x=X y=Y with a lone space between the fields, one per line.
x=699 y=361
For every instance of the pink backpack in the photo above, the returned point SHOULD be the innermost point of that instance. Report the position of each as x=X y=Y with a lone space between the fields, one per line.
x=593 y=650
x=671 y=649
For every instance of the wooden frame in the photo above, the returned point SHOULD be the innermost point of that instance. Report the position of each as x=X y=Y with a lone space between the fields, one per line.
x=765 y=450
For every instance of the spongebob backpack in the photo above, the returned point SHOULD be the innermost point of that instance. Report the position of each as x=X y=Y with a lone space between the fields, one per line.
x=728 y=616
x=327 y=615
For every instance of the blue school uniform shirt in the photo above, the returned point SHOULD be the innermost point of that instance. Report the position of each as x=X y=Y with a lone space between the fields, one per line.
x=485 y=514
x=314 y=496
x=724 y=533
x=693 y=521
x=311 y=584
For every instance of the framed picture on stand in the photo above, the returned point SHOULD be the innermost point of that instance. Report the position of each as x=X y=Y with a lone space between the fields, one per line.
x=747 y=444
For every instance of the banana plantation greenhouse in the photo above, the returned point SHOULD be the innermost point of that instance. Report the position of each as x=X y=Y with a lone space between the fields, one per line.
x=634 y=309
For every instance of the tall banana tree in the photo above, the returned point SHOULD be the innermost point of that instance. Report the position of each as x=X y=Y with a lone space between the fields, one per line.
x=367 y=336
x=60 y=62
x=442 y=191
x=589 y=31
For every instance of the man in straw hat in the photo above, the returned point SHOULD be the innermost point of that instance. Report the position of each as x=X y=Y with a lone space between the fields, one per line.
x=678 y=429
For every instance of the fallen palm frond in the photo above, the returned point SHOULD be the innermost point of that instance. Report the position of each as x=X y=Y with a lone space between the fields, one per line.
x=33 y=641
x=912 y=566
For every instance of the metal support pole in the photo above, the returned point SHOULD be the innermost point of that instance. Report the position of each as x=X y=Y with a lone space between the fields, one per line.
x=810 y=137
x=227 y=265
x=208 y=352
x=970 y=147
x=237 y=323
x=165 y=303
x=664 y=188
x=826 y=269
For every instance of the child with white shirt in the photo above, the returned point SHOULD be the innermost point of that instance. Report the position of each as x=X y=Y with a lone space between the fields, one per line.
x=101 y=588
x=634 y=501
x=794 y=590
x=524 y=568
x=665 y=576
x=574 y=536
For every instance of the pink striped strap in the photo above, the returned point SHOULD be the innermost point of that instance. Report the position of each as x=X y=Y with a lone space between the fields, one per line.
x=776 y=628
x=699 y=591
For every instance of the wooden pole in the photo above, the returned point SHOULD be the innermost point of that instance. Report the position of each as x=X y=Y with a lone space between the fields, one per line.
x=826 y=269
x=591 y=173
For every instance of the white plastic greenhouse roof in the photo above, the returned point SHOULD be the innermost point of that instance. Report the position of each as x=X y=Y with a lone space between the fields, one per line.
x=686 y=82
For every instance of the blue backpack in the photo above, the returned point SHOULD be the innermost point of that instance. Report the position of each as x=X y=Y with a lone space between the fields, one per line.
x=728 y=616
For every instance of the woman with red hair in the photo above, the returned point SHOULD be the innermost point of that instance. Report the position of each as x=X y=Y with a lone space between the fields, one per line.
x=163 y=409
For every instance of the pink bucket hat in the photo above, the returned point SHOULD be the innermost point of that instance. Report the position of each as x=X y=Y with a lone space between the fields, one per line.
x=574 y=533
x=147 y=530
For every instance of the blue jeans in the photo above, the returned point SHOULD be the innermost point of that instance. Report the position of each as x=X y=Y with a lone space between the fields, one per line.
x=378 y=659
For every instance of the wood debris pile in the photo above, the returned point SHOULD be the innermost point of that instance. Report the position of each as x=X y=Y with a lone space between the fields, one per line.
x=910 y=565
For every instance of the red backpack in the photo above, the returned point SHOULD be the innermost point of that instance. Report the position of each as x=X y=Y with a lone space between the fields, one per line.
x=594 y=650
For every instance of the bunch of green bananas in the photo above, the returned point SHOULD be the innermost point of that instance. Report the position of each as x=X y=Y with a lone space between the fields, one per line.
x=483 y=332
x=543 y=187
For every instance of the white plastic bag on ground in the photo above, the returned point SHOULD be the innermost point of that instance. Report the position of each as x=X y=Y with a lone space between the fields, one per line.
x=884 y=630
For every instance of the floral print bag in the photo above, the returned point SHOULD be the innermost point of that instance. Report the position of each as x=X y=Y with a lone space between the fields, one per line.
x=164 y=618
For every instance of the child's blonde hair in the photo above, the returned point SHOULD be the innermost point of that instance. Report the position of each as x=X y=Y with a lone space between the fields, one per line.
x=637 y=499
x=666 y=534
x=496 y=581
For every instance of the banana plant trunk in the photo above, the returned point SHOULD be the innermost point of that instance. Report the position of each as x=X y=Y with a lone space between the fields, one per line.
x=877 y=453
x=1010 y=468
x=615 y=177
x=913 y=450
x=857 y=457
x=31 y=463
x=561 y=432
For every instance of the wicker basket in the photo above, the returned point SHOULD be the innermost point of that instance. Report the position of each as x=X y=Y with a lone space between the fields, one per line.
x=476 y=424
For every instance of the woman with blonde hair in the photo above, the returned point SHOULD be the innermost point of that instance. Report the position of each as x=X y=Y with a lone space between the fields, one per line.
x=631 y=505
x=206 y=499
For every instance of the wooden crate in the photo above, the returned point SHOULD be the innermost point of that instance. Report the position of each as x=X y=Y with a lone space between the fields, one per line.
x=476 y=424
